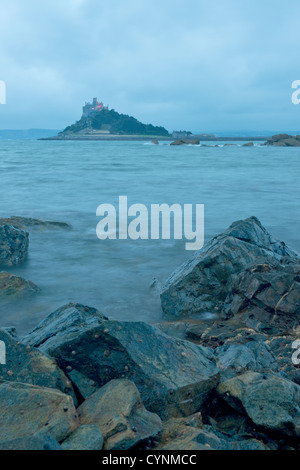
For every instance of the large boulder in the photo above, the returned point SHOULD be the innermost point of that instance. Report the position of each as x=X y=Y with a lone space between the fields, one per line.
x=174 y=377
x=29 y=365
x=202 y=284
x=15 y=286
x=118 y=410
x=13 y=245
x=27 y=410
x=271 y=402
x=266 y=298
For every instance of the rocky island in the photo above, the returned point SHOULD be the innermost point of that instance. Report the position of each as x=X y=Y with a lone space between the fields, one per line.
x=229 y=380
x=98 y=122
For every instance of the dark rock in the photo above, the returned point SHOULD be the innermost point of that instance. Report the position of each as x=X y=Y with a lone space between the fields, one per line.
x=202 y=284
x=249 y=144
x=175 y=378
x=235 y=359
x=186 y=142
x=118 y=410
x=284 y=140
x=11 y=285
x=28 y=365
x=31 y=443
x=27 y=410
x=271 y=402
x=266 y=298
x=13 y=245
x=28 y=223
x=86 y=437
x=155 y=142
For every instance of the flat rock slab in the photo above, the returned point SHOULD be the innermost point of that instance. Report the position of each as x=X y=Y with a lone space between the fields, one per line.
x=29 y=223
x=13 y=245
x=15 y=286
x=174 y=377
x=27 y=410
x=271 y=402
x=201 y=285
x=118 y=410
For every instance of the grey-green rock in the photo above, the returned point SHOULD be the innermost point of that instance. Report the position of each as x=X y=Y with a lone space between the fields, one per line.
x=118 y=410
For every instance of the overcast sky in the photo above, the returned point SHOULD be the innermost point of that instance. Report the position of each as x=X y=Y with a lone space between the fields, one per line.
x=196 y=65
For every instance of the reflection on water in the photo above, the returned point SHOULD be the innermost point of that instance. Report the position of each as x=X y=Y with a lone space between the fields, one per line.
x=66 y=181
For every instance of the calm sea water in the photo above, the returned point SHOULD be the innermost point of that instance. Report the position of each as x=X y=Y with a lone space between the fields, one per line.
x=66 y=181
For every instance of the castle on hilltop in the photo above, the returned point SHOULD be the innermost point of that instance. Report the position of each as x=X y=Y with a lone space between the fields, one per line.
x=90 y=108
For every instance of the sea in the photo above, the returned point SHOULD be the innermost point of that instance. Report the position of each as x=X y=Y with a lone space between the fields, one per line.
x=67 y=181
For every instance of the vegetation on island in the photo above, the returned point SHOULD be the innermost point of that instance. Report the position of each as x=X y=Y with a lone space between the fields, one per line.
x=115 y=123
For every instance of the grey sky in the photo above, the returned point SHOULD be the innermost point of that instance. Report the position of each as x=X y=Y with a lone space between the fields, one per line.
x=197 y=65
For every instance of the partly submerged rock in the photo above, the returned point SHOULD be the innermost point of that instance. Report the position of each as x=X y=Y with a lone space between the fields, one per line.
x=202 y=284
x=86 y=437
x=27 y=410
x=14 y=286
x=186 y=142
x=13 y=245
x=271 y=402
x=118 y=410
x=284 y=140
x=29 y=365
x=175 y=378
x=29 y=223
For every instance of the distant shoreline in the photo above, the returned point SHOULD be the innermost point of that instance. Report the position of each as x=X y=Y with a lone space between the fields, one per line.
x=150 y=138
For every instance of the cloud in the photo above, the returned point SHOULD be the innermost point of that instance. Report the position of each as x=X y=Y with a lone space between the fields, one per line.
x=194 y=64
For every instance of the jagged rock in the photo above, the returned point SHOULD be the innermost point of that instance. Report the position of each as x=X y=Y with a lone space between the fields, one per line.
x=13 y=245
x=118 y=410
x=31 y=443
x=202 y=284
x=11 y=285
x=235 y=359
x=271 y=402
x=86 y=437
x=175 y=378
x=28 y=365
x=284 y=140
x=249 y=144
x=266 y=298
x=186 y=142
x=27 y=410
x=28 y=223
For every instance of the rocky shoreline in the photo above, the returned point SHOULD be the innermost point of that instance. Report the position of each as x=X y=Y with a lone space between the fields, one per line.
x=216 y=374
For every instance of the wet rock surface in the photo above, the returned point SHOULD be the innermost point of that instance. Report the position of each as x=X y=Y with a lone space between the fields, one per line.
x=175 y=378
x=221 y=372
x=13 y=245
x=15 y=286
x=202 y=284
